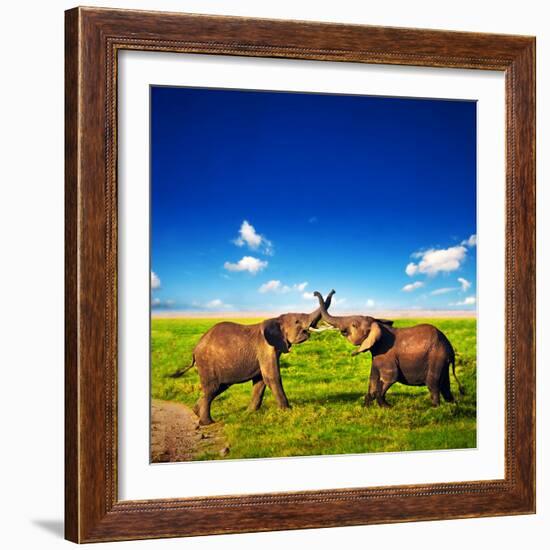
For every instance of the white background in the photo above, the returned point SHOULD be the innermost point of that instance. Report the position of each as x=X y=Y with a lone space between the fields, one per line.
x=31 y=218
x=139 y=480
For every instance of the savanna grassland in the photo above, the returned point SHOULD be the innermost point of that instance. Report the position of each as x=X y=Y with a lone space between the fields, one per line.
x=325 y=387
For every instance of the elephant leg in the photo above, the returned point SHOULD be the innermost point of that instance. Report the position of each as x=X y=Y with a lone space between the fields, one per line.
x=434 y=393
x=386 y=381
x=373 y=387
x=272 y=377
x=276 y=387
x=258 y=390
x=447 y=395
x=433 y=386
x=197 y=407
x=445 y=385
x=210 y=393
x=437 y=379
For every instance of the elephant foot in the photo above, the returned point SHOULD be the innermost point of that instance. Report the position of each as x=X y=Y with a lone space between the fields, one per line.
x=205 y=422
x=384 y=405
x=285 y=407
x=368 y=401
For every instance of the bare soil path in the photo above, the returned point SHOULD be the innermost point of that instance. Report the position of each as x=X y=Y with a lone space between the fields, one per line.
x=177 y=437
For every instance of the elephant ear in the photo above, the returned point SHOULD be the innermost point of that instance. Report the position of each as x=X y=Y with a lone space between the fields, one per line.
x=385 y=322
x=273 y=333
x=373 y=336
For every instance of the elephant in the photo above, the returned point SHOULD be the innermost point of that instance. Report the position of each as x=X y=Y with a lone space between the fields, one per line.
x=230 y=353
x=414 y=356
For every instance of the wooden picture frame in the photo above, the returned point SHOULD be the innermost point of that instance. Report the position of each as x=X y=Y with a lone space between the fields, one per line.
x=93 y=511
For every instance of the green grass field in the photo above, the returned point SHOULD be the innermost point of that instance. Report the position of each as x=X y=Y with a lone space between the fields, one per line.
x=325 y=387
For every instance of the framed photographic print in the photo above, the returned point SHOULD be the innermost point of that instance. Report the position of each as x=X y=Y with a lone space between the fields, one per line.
x=300 y=275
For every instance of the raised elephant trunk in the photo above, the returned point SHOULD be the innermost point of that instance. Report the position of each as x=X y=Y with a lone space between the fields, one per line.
x=331 y=320
x=315 y=316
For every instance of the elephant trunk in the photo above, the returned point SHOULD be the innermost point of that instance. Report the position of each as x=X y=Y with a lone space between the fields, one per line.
x=315 y=316
x=334 y=321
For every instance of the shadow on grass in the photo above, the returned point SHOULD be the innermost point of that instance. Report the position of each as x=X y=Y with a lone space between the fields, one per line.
x=342 y=397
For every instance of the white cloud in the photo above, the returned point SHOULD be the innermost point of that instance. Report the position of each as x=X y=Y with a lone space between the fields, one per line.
x=273 y=286
x=278 y=287
x=465 y=285
x=434 y=261
x=439 y=291
x=470 y=241
x=469 y=301
x=370 y=302
x=411 y=269
x=157 y=303
x=270 y=286
x=248 y=236
x=155 y=281
x=308 y=296
x=246 y=263
x=338 y=301
x=214 y=303
x=412 y=286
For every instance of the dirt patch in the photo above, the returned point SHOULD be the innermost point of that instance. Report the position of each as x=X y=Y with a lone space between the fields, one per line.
x=177 y=437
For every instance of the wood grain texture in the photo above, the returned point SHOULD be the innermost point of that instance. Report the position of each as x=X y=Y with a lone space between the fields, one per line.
x=93 y=38
x=71 y=276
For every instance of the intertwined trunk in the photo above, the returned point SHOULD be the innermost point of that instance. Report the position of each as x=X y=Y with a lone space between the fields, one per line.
x=315 y=316
x=330 y=319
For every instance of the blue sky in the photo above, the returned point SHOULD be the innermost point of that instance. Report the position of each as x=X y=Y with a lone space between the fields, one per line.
x=260 y=198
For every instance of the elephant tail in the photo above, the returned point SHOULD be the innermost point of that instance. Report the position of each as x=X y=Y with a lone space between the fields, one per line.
x=182 y=371
x=460 y=387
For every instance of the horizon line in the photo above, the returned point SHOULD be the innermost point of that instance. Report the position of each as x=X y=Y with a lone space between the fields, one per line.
x=396 y=313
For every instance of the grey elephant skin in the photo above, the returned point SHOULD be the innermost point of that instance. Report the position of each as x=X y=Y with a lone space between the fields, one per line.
x=414 y=356
x=230 y=353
